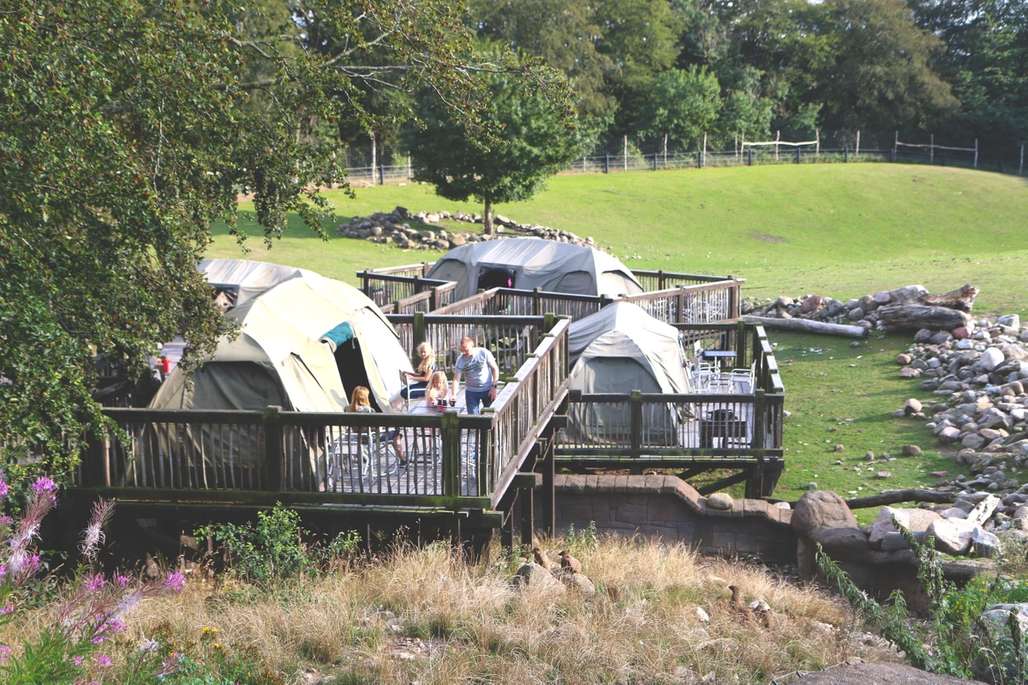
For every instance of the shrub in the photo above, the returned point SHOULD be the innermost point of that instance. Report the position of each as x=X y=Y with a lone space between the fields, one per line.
x=274 y=547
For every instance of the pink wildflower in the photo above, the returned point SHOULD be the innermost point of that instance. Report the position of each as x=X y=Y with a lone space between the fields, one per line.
x=44 y=485
x=5 y=653
x=5 y=520
x=7 y=609
x=3 y=570
x=93 y=536
x=103 y=661
x=175 y=581
x=95 y=582
x=77 y=660
x=97 y=639
x=32 y=564
x=4 y=488
x=121 y=580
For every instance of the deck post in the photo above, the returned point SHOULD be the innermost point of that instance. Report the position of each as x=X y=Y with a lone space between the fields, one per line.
x=660 y=279
x=536 y=303
x=759 y=422
x=681 y=318
x=418 y=332
x=451 y=453
x=526 y=507
x=549 y=489
x=272 y=421
x=549 y=321
x=635 y=415
x=740 y=345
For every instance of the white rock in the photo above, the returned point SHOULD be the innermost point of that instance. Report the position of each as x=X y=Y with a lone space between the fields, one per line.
x=983 y=510
x=984 y=543
x=720 y=500
x=702 y=615
x=952 y=535
x=991 y=358
x=914 y=520
x=953 y=513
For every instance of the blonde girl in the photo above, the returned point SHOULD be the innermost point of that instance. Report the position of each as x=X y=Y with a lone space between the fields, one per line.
x=360 y=401
x=437 y=389
x=418 y=379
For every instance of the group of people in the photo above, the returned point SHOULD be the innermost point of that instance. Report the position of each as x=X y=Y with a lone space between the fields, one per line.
x=475 y=365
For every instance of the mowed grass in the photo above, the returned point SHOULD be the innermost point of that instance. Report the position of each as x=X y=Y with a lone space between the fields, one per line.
x=844 y=230
x=839 y=229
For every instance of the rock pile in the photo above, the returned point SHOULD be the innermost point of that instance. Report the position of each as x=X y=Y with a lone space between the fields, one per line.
x=421 y=231
x=887 y=309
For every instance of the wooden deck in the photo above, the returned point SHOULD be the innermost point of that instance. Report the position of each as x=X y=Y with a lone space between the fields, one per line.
x=477 y=471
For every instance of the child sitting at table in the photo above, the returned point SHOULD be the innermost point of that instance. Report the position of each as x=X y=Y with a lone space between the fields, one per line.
x=418 y=379
x=361 y=402
x=437 y=391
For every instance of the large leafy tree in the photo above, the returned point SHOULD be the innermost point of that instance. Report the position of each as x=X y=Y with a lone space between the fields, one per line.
x=526 y=131
x=130 y=126
x=684 y=105
x=881 y=75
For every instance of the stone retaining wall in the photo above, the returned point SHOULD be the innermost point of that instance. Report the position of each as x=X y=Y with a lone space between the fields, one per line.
x=668 y=508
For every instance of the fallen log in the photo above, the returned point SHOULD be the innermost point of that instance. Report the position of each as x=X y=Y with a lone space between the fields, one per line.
x=912 y=317
x=896 y=496
x=807 y=326
x=962 y=298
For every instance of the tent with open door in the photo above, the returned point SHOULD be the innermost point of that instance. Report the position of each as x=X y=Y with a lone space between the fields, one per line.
x=619 y=349
x=534 y=263
x=304 y=344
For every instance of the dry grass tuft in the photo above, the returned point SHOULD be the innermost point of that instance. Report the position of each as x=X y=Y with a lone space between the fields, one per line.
x=424 y=615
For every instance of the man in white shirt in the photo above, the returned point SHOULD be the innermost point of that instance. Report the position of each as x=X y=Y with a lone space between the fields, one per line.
x=478 y=366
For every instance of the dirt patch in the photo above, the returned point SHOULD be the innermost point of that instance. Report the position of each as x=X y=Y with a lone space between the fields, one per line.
x=767 y=237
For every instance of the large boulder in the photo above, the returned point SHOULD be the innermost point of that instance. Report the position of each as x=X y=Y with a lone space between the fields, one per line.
x=875 y=674
x=952 y=536
x=914 y=520
x=822 y=509
x=535 y=578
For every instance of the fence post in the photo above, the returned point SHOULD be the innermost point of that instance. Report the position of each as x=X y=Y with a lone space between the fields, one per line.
x=846 y=153
x=797 y=154
x=654 y=167
x=975 y=153
x=451 y=453
x=817 y=144
x=418 y=333
x=635 y=416
x=625 y=160
x=606 y=162
x=1020 y=163
x=665 y=151
x=536 y=304
x=749 y=156
x=931 y=148
x=778 y=137
x=856 y=150
x=759 y=421
x=272 y=421
x=381 y=175
x=681 y=305
x=660 y=279
x=740 y=345
x=703 y=157
x=895 y=145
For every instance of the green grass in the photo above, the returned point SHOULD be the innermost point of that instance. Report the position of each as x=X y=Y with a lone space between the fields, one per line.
x=843 y=230
x=839 y=229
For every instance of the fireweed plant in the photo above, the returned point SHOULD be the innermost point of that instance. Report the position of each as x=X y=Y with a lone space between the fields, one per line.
x=85 y=618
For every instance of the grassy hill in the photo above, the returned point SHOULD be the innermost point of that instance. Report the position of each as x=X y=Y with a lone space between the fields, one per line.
x=838 y=229
x=843 y=230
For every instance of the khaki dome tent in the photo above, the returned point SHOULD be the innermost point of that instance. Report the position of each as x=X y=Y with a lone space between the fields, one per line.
x=243 y=279
x=619 y=349
x=534 y=263
x=303 y=344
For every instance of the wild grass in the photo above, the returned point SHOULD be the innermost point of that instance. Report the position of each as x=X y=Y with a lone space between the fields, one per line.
x=472 y=626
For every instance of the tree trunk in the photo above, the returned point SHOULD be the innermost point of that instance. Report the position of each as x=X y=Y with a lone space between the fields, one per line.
x=911 y=317
x=897 y=496
x=487 y=217
x=807 y=326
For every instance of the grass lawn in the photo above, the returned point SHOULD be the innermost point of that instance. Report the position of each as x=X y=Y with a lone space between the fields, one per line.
x=843 y=230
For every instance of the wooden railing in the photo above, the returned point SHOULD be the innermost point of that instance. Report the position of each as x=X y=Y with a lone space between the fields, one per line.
x=259 y=457
x=706 y=426
x=661 y=280
x=390 y=289
x=510 y=338
x=708 y=302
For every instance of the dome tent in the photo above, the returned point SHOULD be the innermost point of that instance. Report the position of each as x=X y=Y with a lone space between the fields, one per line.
x=534 y=263
x=304 y=342
x=619 y=349
x=245 y=278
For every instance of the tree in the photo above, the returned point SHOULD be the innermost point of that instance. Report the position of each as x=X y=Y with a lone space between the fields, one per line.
x=683 y=104
x=563 y=33
x=527 y=131
x=129 y=127
x=881 y=76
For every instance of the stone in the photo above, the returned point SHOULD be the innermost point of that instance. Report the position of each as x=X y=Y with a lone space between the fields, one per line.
x=1010 y=321
x=869 y=455
x=876 y=674
x=821 y=509
x=882 y=475
x=579 y=583
x=903 y=359
x=961 y=332
x=991 y=358
x=911 y=451
x=953 y=513
x=939 y=337
x=910 y=372
x=972 y=441
x=952 y=536
x=849 y=543
x=720 y=500
x=913 y=406
x=892 y=542
x=537 y=579
x=923 y=335
x=702 y=616
x=839 y=448
x=914 y=520
x=984 y=509
x=984 y=543
x=950 y=434
x=855 y=314
x=786 y=506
